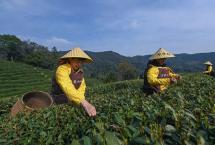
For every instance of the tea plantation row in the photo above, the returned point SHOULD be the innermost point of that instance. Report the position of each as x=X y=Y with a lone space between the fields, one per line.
x=18 y=78
x=182 y=115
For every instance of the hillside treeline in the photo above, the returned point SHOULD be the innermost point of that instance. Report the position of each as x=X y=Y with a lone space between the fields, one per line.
x=108 y=66
x=13 y=49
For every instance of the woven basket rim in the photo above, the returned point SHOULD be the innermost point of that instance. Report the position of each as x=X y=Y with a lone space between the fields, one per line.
x=35 y=92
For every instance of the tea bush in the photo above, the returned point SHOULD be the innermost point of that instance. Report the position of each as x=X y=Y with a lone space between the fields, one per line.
x=182 y=115
x=18 y=78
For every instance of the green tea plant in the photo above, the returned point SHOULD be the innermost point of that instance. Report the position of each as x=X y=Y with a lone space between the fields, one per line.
x=182 y=115
x=18 y=78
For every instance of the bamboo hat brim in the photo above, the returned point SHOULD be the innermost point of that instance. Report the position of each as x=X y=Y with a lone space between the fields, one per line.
x=161 y=53
x=77 y=53
x=208 y=63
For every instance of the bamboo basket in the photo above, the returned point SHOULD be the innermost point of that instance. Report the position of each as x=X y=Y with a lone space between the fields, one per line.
x=31 y=101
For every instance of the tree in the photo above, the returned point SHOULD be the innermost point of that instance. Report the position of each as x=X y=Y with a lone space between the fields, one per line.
x=110 y=77
x=127 y=71
x=11 y=47
x=3 y=51
x=54 y=52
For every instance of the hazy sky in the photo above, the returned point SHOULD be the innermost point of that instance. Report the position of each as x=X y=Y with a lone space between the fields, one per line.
x=129 y=27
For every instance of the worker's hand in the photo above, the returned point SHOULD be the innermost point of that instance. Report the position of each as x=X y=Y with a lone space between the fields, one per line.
x=173 y=81
x=178 y=77
x=89 y=108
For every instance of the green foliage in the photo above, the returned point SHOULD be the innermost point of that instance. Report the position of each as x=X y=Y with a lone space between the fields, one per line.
x=127 y=71
x=13 y=49
x=92 y=82
x=184 y=114
x=111 y=77
x=19 y=78
x=9 y=46
x=10 y=38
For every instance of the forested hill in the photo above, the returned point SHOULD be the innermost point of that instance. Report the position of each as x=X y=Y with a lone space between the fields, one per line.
x=191 y=62
x=181 y=63
x=14 y=49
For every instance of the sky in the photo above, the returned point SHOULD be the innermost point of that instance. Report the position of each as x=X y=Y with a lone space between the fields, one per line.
x=128 y=27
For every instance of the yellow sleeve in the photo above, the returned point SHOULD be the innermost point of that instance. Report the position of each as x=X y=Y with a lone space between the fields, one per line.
x=82 y=87
x=209 y=70
x=65 y=83
x=153 y=80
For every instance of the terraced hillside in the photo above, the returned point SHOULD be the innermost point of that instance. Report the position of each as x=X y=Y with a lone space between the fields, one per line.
x=18 y=78
x=183 y=115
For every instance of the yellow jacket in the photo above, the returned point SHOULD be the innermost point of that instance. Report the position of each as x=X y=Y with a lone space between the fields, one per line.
x=159 y=77
x=209 y=70
x=65 y=83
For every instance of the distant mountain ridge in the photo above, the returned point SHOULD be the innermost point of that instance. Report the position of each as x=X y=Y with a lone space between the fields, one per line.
x=108 y=60
x=13 y=48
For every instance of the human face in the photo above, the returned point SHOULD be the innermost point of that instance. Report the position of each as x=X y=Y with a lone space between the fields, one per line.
x=75 y=63
x=161 y=61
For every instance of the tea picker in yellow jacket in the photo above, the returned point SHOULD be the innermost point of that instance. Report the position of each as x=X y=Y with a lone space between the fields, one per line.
x=209 y=68
x=157 y=76
x=68 y=84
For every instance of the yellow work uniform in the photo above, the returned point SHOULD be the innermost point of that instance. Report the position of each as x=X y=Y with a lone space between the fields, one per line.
x=159 y=77
x=63 y=79
x=209 y=70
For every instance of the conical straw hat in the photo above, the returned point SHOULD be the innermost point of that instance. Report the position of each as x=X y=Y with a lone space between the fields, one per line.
x=161 y=53
x=208 y=63
x=77 y=53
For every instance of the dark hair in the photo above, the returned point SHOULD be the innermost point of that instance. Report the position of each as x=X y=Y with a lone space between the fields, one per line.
x=155 y=63
x=62 y=61
x=66 y=60
x=80 y=58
